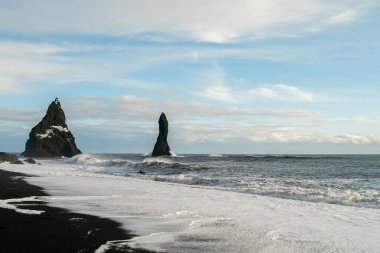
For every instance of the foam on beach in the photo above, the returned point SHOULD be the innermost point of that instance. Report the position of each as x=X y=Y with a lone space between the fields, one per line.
x=172 y=217
x=14 y=203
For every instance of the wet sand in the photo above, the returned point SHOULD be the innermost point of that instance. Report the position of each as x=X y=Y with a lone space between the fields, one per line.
x=55 y=230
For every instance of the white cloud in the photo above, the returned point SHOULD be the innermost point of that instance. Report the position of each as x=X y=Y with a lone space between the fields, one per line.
x=262 y=132
x=216 y=85
x=345 y=16
x=7 y=85
x=9 y=48
x=19 y=115
x=200 y=20
x=31 y=66
x=282 y=92
x=233 y=131
x=347 y=120
x=135 y=118
x=143 y=109
x=351 y=138
x=200 y=122
x=220 y=93
x=278 y=92
x=26 y=66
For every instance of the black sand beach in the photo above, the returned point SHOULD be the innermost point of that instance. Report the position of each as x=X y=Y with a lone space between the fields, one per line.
x=56 y=230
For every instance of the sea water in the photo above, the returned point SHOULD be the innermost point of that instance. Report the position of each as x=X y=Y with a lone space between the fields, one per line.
x=223 y=203
x=352 y=180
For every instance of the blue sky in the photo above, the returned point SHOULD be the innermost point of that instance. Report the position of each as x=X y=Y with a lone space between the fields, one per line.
x=232 y=76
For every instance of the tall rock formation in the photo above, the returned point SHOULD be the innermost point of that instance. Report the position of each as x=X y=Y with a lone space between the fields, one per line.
x=51 y=137
x=162 y=147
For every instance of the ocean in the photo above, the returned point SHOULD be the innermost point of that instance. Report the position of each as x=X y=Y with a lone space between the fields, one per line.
x=352 y=180
x=221 y=203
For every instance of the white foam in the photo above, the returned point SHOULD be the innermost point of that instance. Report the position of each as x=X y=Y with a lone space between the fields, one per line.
x=7 y=204
x=215 y=155
x=85 y=159
x=172 y=154
x=175 y=179
x=180 y=218
x=148 y=153
x=158 y=160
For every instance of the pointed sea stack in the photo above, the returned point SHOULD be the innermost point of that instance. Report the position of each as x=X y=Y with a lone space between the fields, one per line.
x=162 y=147
x=51 y=137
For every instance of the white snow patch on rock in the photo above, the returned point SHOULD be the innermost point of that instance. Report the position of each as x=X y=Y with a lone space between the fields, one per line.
x=48 y=134
x=60 y=128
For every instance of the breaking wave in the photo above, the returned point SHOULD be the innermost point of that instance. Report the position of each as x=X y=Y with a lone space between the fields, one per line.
x=331 y=179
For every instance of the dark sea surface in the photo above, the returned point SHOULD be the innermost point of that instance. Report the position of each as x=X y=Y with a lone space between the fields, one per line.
x=338 y=179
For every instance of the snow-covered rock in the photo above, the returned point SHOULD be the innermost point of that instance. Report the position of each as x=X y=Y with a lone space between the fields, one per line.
x=51 y=137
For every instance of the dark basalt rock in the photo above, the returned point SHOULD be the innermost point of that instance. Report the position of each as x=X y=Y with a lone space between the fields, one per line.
x=6 y=157
x=17 y=162
x=162 y=147
x=51 y=137
x=30 y=160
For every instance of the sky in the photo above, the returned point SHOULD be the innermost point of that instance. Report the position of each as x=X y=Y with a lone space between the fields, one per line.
x=243 y=76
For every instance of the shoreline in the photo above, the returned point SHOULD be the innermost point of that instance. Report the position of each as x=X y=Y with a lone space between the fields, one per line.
x=172 y=217
x=54 y=230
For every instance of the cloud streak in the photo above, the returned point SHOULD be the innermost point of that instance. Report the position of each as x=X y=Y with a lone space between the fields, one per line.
x=130 y=118
x=282 y=92
x=141 y=109
x=216 y=85
x=27 y=65
x=137 y=116
x=266 y=133
x=19 y=115
x=198 y=20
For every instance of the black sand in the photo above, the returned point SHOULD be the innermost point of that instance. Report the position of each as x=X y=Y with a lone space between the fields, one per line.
x=57 y=230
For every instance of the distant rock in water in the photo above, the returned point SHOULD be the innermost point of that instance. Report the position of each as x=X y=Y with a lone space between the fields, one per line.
x=30 y=160
x=6 y=157
x=162 y=147
x=51 y=137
